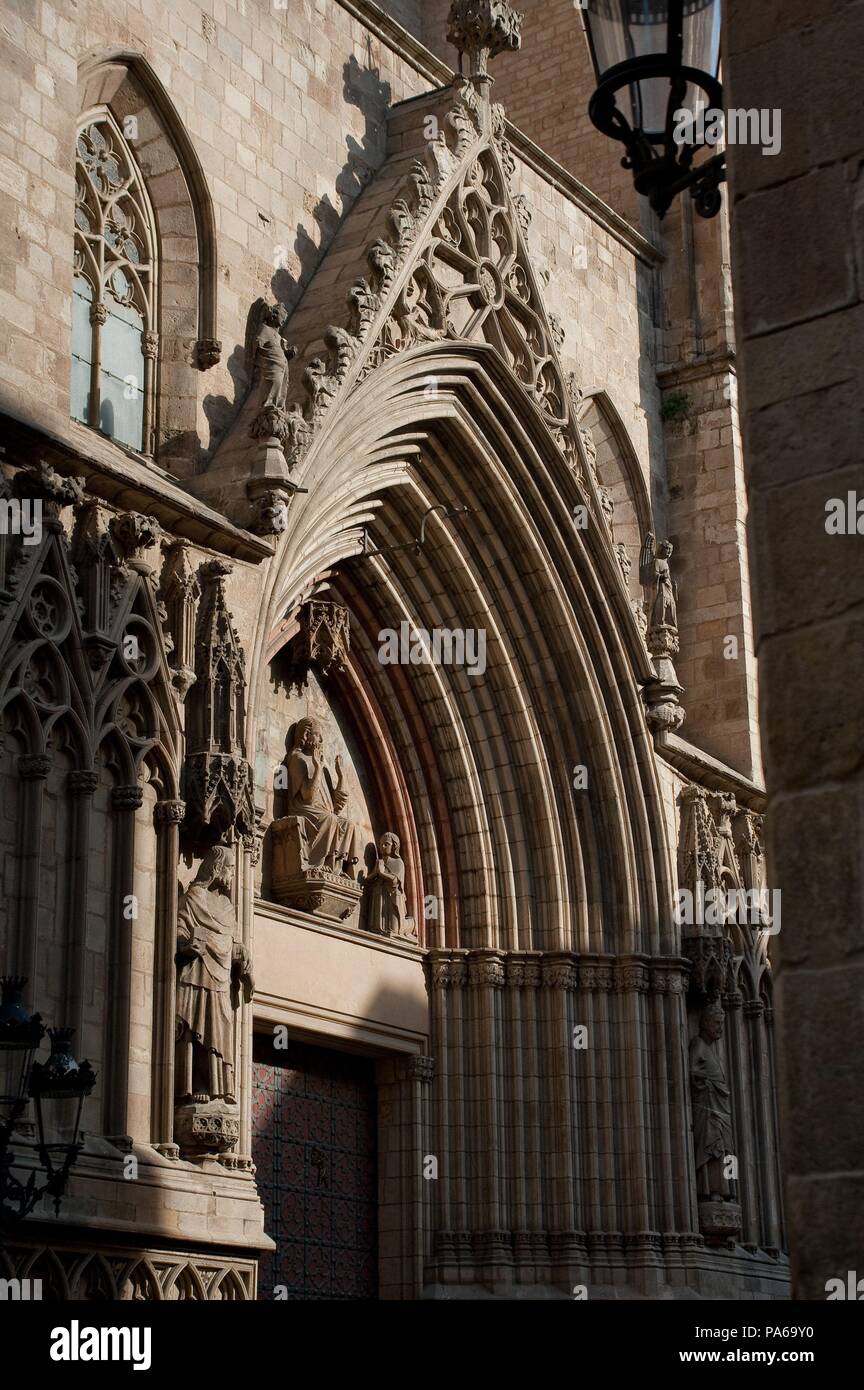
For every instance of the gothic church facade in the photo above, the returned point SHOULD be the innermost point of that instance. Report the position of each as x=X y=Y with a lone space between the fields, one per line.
x=377 y=687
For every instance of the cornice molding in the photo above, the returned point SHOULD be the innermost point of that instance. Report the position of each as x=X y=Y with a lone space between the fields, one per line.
x=701 y=767
x=114 y=475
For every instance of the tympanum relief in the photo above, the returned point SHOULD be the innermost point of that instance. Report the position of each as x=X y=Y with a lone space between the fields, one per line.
x=330 y=851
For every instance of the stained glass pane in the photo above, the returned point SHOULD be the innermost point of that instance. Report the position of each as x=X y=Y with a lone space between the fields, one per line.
x=82 y=345
x=121 y=407
x=114 y=232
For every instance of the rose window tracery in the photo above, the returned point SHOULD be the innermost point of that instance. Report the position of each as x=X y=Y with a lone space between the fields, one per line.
x=471 y=282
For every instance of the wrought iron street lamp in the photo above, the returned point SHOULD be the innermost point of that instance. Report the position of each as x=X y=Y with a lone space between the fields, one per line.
x=58 y=1088
x=657 y=63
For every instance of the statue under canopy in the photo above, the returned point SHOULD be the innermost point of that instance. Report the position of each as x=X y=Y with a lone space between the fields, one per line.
x=213 y=965
x=712 y=1106
x=331 y=839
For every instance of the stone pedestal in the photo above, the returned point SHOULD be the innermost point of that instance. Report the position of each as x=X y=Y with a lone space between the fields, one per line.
x=315 y=888
x=207 y=1127
x=719 y=1220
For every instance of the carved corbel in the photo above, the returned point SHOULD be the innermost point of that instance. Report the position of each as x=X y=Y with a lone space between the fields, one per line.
x=135 y=535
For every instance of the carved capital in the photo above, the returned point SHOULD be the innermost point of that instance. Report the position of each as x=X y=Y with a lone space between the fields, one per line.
x=416 y=1069
x=150 y=345
x=169 y=812
x=127 y=798
x=448 y=973
x=82 y=782
x=558 y=974
x=34 y=767
x=630 y=979
x=486 y=973
x=596 y=977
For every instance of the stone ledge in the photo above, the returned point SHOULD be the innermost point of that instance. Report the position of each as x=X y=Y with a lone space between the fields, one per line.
x=115 y=475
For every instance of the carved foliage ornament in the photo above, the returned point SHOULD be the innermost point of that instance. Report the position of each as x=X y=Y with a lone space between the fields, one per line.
x=292 y=424
x=472 y=280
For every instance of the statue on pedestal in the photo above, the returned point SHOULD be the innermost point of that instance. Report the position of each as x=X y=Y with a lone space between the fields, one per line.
x=268 y=355
x=315 y=847
x=331 y=840
x=713 y=1140
x=213 y=967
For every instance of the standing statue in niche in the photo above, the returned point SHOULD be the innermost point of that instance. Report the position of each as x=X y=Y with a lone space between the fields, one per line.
x=213 y=966
x=712 y=1107
x=385 y=890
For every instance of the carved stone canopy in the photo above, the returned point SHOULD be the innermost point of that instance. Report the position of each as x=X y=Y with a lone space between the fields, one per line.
x=483 y=29
x=218 y=779
x=324 y=639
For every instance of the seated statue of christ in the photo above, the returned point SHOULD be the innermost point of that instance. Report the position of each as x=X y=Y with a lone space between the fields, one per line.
x=332 y=841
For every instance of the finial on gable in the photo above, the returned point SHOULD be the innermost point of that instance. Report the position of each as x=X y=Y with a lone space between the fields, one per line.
x=483 y=29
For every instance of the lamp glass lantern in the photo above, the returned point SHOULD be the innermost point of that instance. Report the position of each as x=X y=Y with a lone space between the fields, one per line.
x=20 y=1036
x=652 y=59
x=59 y=1088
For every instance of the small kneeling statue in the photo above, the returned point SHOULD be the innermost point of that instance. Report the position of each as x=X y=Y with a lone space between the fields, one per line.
x=385 y=890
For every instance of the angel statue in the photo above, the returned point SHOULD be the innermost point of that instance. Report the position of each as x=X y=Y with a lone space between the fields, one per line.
x=655 y=574
x=268 y=355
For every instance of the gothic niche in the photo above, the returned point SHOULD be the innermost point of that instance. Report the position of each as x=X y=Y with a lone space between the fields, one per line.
x=213 y=966
x=325 y=826
x=218 y=779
